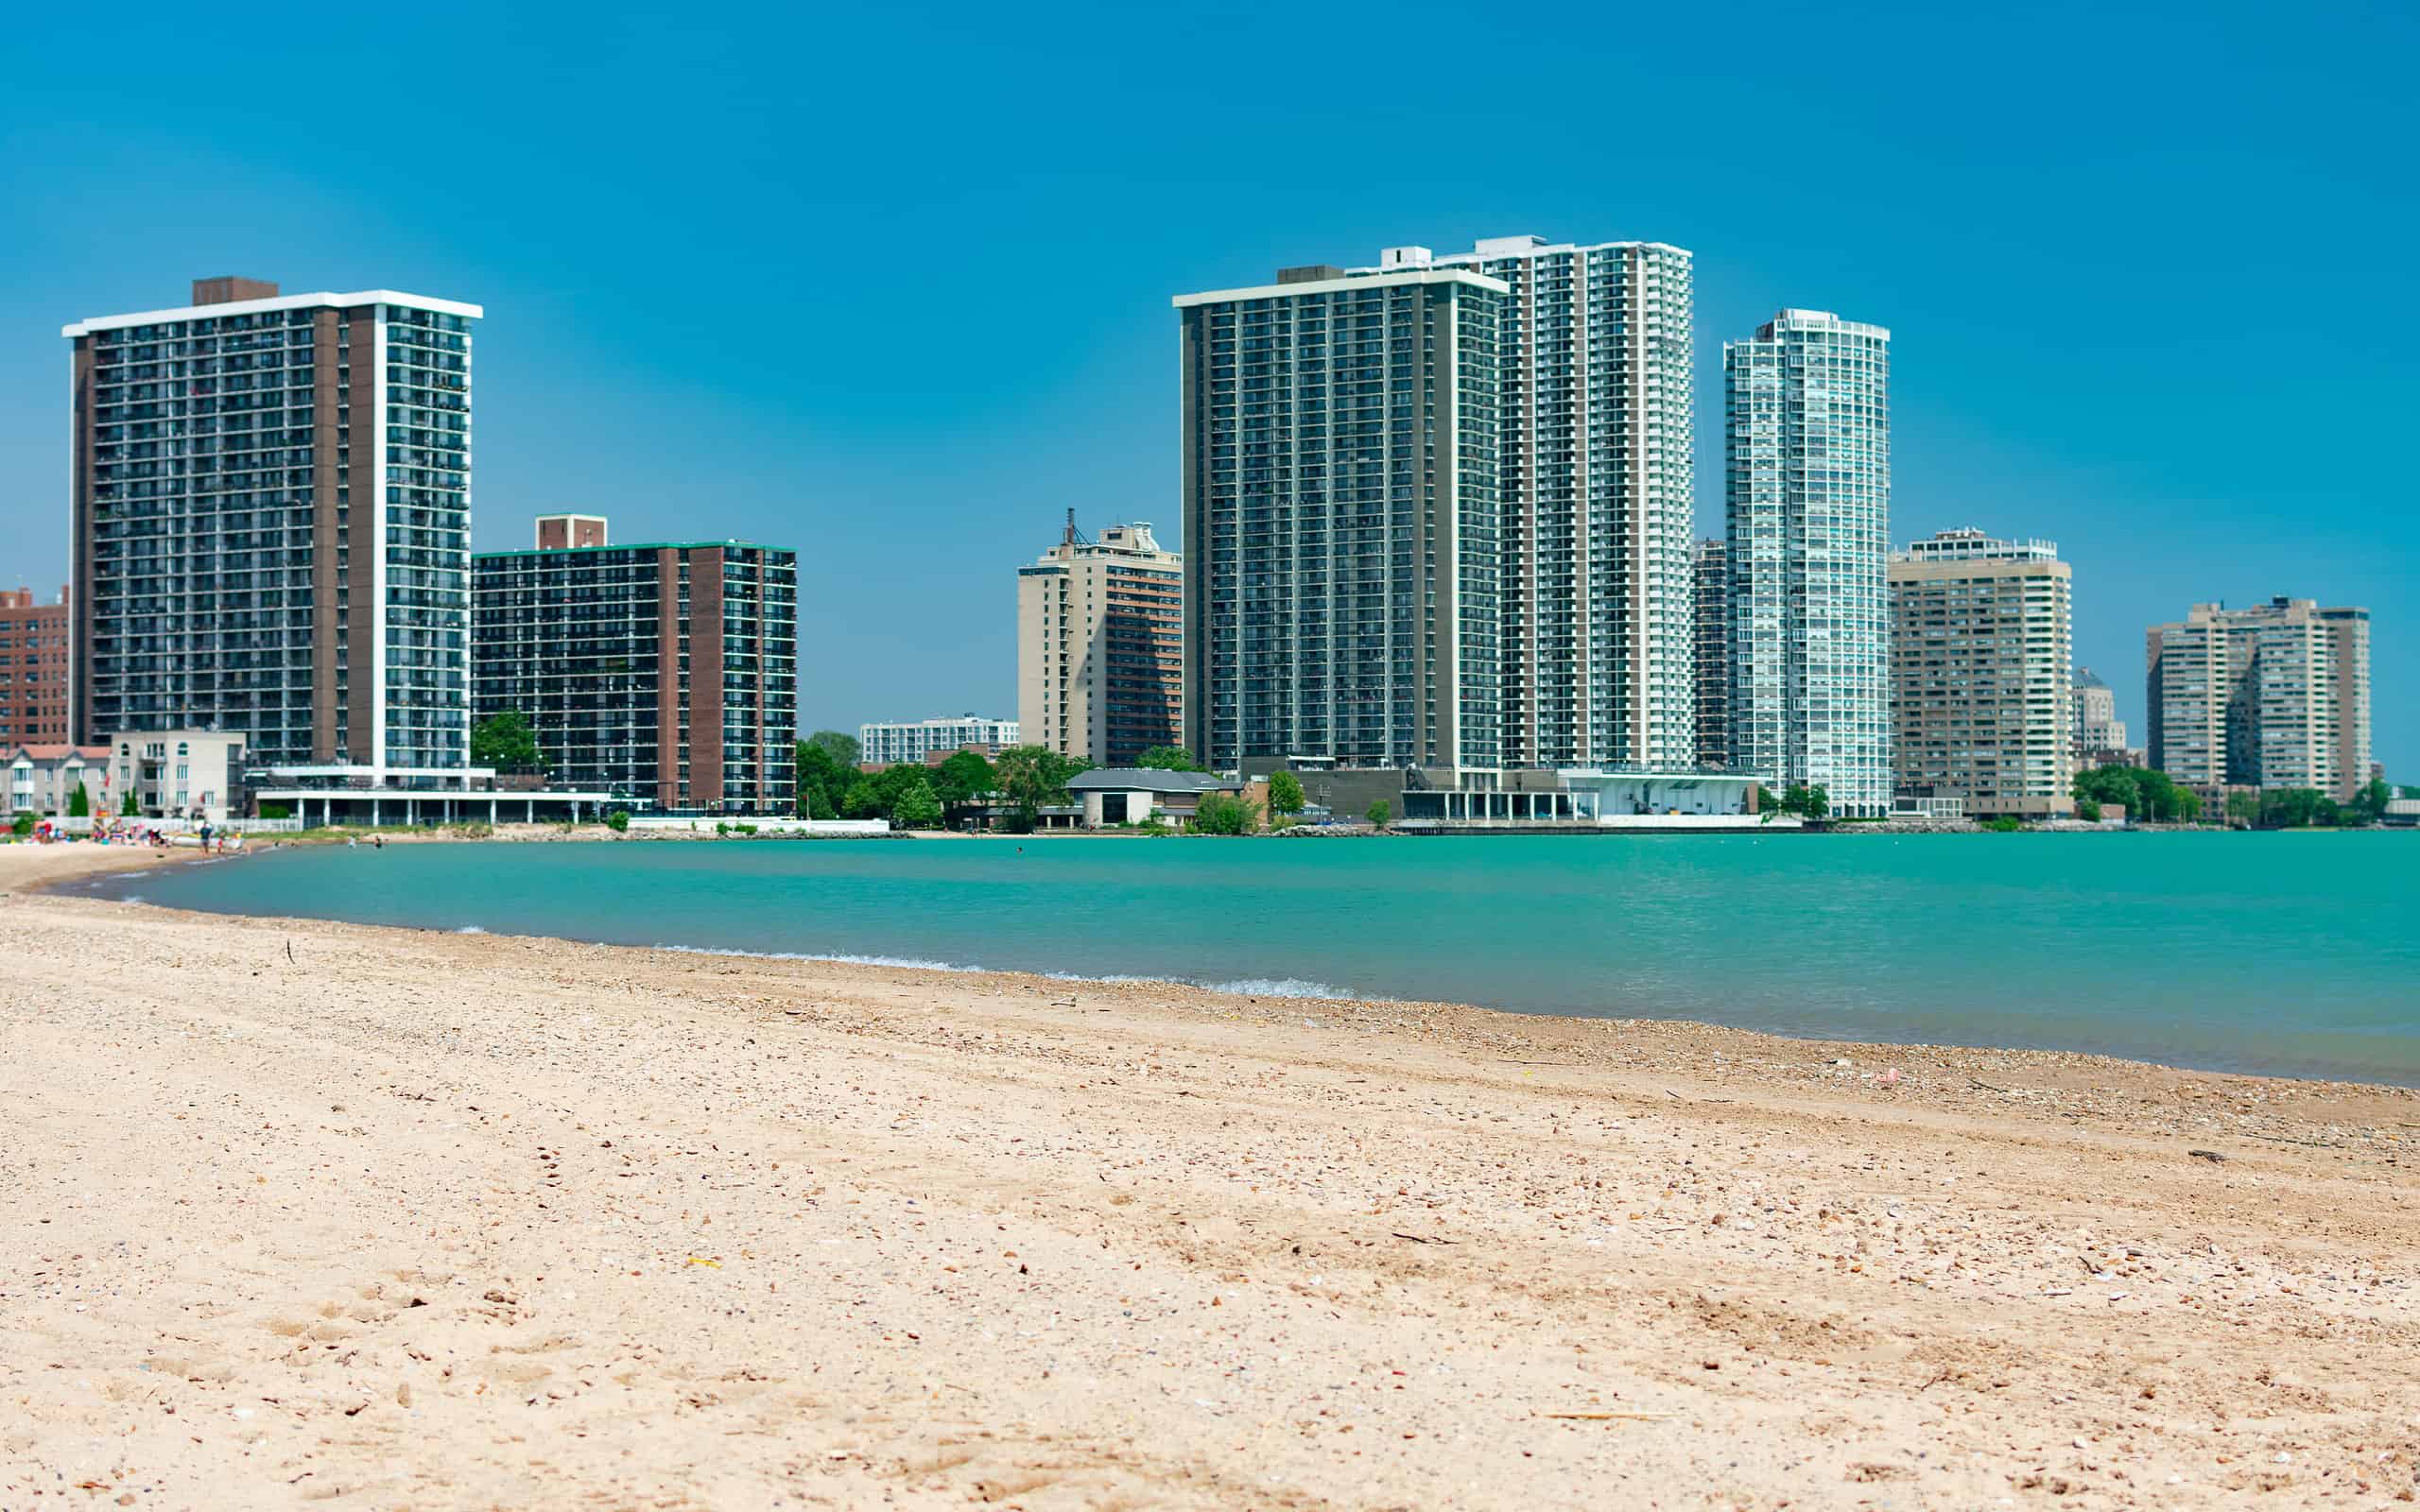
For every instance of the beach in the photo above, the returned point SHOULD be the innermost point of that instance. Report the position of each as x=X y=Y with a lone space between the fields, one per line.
x=321 y=1213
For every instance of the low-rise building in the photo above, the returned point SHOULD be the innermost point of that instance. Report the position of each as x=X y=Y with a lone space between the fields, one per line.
x=890 y=742
x=179 y=774
x=1112 y=795
x=33 y=670
x=42 y=779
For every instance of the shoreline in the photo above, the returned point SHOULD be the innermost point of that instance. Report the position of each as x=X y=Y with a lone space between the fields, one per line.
x=402 y=1217
x=1275 y=991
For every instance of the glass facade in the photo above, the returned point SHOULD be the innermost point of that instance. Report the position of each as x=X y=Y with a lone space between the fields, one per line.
x=1807 y=489
x=1342 y=511
x=1595 y=426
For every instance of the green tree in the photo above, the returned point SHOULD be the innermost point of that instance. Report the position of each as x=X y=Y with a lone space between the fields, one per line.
x=2369 y=802
x=863 y=800
x=618 y=821
x=79 y=804
x=1379 y=813
x=2187 y=803
x=1167 y=759
x=2088 y=810
x=1818 y=803
x=2243 y=808
x=842 y=748
x=1033 y=777
x=505 y=741
x=822 y=782
x=917 y=808
x=1224 y=814
x=964 y=777
x=1285 y=793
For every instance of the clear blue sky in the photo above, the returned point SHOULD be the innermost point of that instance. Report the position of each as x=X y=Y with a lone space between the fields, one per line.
x=890 y=285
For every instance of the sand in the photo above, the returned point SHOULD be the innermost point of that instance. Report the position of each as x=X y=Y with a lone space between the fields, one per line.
x=303 y=1213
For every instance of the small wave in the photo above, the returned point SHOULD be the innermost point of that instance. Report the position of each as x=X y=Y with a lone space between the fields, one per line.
x=1283 y=987
x=131 y=898
x=837 y=958
x=469 y=929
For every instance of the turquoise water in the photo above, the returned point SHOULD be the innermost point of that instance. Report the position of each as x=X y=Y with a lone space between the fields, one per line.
x=2283 y=953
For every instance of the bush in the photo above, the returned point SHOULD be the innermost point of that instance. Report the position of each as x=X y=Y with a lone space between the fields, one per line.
x=1223 y=813
x=720 y=828
x=1380 y=814
x=277 y=811
x=2004 y=823
x=618 y=821
x=24 y=824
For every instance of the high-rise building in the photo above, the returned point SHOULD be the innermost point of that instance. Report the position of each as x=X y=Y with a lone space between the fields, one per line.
x=1807 y=489
x=2094 y=726
x=34 y=663
x=1100 y=637
x=1711 y=631
x=1981 y=652
x=1341 y=514
x=888 y=741
x=1596 y=420
x=270 y=512
x=2274 y=696
x=663 y=674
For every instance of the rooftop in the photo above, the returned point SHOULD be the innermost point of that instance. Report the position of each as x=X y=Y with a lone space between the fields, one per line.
x=1149 y=780
x=283 y=302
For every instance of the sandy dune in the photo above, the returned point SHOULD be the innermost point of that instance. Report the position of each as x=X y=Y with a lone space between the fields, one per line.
x=308 y=1213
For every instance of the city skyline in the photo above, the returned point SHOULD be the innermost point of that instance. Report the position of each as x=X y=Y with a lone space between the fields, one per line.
x=2162 y=490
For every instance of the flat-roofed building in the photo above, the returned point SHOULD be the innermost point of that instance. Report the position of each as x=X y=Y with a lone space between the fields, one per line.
x=890 y=742
x=179 y=774
x=1982 y=652
x=2271 y=696
x=1100 y=637
x=270 y=514
x=34 y=662
x=1341 y=517
x=1807 y=496
x=663 y=674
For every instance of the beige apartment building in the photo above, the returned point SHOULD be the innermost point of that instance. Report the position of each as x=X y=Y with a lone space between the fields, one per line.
x=2274 y=696
x=1100 y=636
x=1980 y=659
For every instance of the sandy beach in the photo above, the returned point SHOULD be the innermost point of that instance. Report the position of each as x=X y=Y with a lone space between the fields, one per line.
x=308 y=1213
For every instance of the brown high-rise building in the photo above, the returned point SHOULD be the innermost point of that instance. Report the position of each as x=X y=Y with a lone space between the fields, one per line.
x=33 y=670
x=271 y=515
x=663 y=674
x=1981 y=659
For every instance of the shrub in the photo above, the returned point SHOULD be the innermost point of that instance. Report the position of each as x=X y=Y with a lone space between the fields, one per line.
x=2088 y=810
x=277 y=811
x=2004 y=823
x=1381 y=812
x=24 y=824
x=720 y=828
x=1224 y=814
x=618 y=821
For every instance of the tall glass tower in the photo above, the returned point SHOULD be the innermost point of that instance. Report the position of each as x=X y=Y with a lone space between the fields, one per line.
x=1596 y=419
x=1808 y=486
